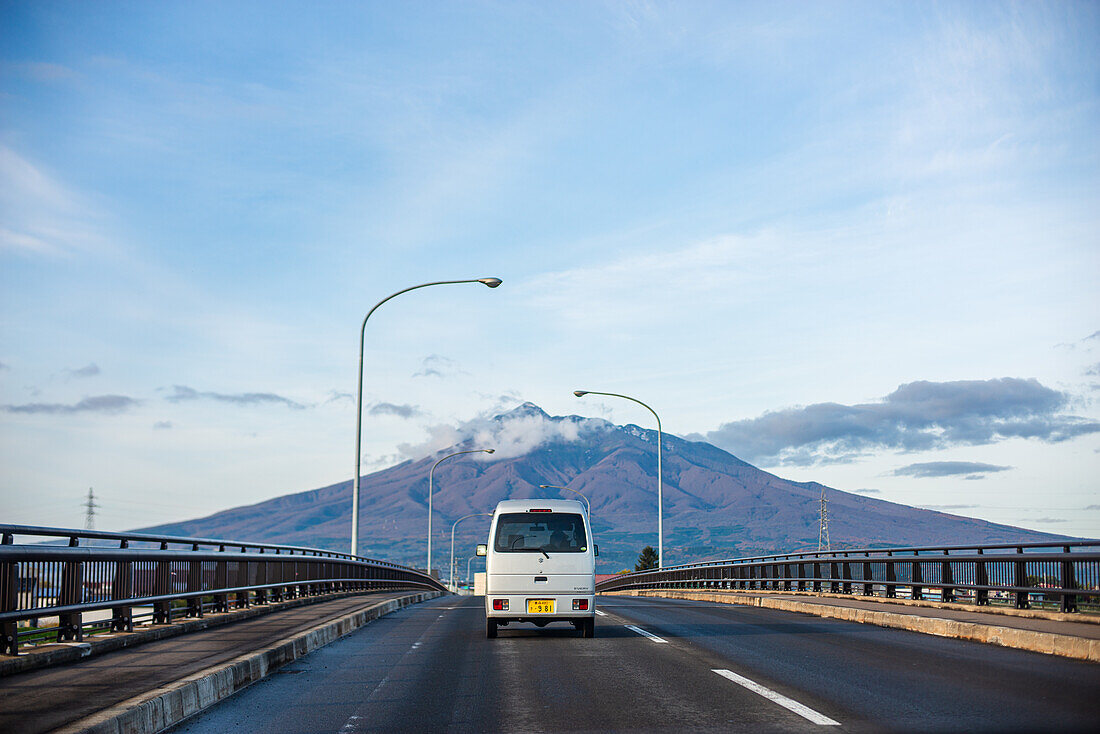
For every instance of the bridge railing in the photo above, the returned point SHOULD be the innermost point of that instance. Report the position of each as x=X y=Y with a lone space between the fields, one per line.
x=159 y=578
x=1017 y=573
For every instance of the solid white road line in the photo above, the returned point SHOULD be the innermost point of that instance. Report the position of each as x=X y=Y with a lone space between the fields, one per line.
x=803 y=711
x=642 y=632
x=602 y=614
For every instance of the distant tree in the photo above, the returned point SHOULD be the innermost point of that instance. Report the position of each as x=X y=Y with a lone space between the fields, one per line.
x=646 y=559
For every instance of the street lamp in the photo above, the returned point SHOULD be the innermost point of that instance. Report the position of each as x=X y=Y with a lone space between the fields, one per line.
x=490 y=282
x=471 y=558
x=451 y=573
x=587 y=504
x=660 y=511
x=428 y=568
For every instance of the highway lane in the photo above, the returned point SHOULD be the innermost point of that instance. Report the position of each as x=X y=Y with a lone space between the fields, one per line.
x=652 y=667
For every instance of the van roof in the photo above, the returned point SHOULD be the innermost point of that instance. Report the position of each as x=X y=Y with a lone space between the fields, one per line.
x=540 y=504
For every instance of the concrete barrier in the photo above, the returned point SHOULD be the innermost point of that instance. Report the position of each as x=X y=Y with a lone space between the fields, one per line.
x=160 y=709
x=1080 y=648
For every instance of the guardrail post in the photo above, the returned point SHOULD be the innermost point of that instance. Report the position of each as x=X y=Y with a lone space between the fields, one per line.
x=1021 y=581
x=221 y=581
x=834 y=575
x=801 y=584
x=162 y=610
x=786 y=576
x=891 y=576
x=947 y=577
x=69 y=625
x=916 y=577
x=847 y=575
x=241 y=597
x=868 y=578
x=261 y=579
x=981 y=578
x=1069 y=581
x=817 y=576
x=9 y=602
x=194 y=583
x=122 y=587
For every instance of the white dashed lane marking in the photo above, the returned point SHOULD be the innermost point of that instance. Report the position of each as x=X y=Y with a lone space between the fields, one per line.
x=642 y=632
x=791 y=705
x=602 y=614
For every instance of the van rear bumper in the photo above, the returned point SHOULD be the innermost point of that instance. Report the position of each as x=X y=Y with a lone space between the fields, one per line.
x=517 y=607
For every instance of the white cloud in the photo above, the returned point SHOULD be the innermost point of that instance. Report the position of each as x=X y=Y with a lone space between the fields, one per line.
x=513 y=434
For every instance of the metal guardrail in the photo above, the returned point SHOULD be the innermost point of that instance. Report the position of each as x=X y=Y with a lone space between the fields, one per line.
x=1019 y=573
x=200 y=575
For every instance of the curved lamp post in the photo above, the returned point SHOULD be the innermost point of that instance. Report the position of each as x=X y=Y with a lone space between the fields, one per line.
x=471 y=558
x=587 y=504
x=428 y=568
x=451 y=573
x=660 y=504
x=490 y=282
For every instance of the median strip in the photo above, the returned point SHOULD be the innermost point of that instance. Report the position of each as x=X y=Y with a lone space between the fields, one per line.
x=790 y=704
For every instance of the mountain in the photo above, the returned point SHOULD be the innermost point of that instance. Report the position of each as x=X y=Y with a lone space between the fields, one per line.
x=715 y=505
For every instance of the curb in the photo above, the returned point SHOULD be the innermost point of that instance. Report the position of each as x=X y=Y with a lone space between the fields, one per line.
x=67 y=652
x=1049 y=643
x=165 y=707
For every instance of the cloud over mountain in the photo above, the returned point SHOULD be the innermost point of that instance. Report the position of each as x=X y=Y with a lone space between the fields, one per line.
x=918 y=416
x=512 y=434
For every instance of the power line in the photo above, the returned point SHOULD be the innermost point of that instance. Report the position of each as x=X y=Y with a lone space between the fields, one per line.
x=89 y=510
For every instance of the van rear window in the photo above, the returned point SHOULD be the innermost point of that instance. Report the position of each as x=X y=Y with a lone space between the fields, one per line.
x=527 y=532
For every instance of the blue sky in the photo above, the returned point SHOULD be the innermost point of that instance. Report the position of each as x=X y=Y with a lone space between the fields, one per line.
x=850 y=242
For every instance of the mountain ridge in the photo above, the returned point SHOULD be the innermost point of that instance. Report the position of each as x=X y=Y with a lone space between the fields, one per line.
x=715 y=505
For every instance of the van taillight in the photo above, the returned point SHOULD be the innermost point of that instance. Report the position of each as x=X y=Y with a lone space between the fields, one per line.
x=580 y=605
x=500 y=605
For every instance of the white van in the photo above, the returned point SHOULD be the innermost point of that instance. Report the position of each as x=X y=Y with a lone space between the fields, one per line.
x=540 y=565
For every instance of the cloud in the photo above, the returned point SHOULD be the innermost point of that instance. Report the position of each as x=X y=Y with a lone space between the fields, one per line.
x=42 y=216
x=435 y=365
x=182 y=393
x=4 y=367
x=867 y=491
x=336 y=395
x=513 y=434
x=949 y=507
x=162 y=425
x=1093 y=507
x=1050 y=520
x=1093 y=370
x=89 y=370
x=918 y=416
x=401 y=411
x=94 y=404
x=947 y=469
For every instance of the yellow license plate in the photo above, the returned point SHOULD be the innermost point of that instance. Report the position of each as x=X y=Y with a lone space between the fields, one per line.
x=540 y=606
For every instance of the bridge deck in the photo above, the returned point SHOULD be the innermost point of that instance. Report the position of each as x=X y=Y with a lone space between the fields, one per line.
x=46 y=699
x=1074 y=625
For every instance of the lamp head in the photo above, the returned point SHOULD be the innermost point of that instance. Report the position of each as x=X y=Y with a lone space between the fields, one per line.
x=580 y=393
x=491 y=282
x=489 y=451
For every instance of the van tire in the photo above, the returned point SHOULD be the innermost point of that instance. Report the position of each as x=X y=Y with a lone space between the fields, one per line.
x=588 y=628
x=490 y=629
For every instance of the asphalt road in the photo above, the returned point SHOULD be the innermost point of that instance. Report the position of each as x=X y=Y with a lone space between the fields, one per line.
x=658 y=664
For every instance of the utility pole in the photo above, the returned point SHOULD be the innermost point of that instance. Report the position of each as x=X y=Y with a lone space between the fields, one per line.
x=823 y=527
x=89 y=511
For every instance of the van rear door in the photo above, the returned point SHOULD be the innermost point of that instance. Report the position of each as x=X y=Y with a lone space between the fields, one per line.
x=542 y=552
